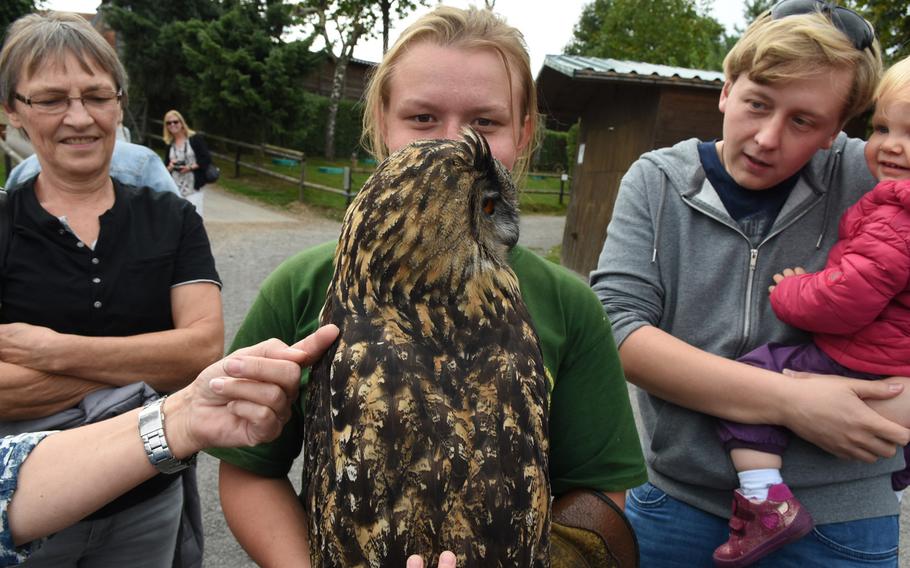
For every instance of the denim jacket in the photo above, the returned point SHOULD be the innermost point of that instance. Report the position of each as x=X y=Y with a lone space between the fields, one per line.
x=13 y=451
x=131 y=164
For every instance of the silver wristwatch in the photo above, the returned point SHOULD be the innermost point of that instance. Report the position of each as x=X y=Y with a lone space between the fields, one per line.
x=151 y=430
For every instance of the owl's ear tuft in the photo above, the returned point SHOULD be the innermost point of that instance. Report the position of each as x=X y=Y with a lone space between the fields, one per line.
x=480 y=149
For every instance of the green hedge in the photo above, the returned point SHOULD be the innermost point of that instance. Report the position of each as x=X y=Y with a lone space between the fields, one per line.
x=311 y=138
x=551 y=156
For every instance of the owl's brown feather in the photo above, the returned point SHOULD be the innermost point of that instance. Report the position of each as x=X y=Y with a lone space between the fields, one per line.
x=426 y=424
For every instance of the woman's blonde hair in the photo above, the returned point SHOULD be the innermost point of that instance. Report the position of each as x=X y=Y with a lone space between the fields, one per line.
x=35 y=39
x=799 y=46
x=471 y=28
x=895 y=80
x=167 y=135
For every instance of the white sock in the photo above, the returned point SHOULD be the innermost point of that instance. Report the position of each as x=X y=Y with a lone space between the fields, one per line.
x=900 y=495
x=754 y=483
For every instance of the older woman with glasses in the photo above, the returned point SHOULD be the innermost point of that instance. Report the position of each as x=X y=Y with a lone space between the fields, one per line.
x=109 y=292
x=187 y=157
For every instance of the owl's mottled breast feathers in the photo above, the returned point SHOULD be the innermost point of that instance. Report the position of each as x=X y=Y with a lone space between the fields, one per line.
x=426 y=424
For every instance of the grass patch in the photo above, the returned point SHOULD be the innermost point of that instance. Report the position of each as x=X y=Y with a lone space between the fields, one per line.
x=283 y=194
x=542 y=203
x=259 y=188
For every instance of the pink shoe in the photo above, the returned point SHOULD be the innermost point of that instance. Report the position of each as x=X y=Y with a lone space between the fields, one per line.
x=759 y=528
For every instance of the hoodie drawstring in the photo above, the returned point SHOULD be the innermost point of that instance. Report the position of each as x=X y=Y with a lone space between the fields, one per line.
x=827 y=198
x=660 y=210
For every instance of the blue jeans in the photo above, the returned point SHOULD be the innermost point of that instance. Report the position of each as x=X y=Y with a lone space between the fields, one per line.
x=673 y=534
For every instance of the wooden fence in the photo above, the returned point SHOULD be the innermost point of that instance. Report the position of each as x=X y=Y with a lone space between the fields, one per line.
x=277 y=152
x=11 y=158
x=563 y=184
x=301 y=181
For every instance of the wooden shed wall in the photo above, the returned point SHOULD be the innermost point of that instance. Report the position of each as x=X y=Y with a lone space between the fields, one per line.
x=357 y=75
x=613 y=130
x=687 y=113
x=627 y=121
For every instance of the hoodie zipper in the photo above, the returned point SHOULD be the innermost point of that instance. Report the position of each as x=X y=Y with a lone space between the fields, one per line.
x=753 y=261
x=747 y=320
x=753 y=251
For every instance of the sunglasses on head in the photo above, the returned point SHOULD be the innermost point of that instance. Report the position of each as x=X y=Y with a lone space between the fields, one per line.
x=854 y=26
x=170 y=122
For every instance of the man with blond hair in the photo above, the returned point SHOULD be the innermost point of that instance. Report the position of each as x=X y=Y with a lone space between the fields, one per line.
x=697 y=233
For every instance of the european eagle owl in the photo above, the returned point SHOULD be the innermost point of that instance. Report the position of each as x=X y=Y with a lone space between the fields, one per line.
x=426 y=422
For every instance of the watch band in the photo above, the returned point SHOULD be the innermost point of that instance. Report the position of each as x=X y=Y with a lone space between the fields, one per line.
x=151 y=430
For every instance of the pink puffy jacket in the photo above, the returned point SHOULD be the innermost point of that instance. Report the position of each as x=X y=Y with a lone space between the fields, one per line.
x=858 y=307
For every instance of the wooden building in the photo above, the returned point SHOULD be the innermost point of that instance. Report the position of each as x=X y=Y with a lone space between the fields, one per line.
x=626 y=109
x=357 y=75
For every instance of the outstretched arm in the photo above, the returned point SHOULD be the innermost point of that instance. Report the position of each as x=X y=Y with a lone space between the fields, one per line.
x=243 y=399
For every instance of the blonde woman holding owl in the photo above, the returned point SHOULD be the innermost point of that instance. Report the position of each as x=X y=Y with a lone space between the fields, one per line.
x=449 y=69
x=187 y=158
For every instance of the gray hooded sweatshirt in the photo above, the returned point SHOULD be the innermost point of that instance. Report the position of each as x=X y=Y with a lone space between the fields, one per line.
x=676 y=260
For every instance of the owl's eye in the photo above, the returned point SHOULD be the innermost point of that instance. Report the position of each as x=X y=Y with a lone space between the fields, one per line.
x=489 y=206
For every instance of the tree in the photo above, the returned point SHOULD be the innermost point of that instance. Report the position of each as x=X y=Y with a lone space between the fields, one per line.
x=402 y=8
x=669 y=32
x=12 y=10
x=151 y=50
x=891 y=20
x=341 y=24
x=752 y=9
x=755 y=8
x=223 y=63
x=243 y=77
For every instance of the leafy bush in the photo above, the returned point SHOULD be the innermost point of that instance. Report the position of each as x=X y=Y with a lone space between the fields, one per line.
x=310 y=137
x=551 y=156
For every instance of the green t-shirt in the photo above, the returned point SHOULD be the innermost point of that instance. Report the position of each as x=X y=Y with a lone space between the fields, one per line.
x=593 y=441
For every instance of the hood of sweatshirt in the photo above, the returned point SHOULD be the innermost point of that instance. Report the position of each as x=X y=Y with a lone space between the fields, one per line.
x=686 y=177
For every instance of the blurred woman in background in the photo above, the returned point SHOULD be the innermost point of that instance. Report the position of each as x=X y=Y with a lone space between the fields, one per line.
x=188 y=157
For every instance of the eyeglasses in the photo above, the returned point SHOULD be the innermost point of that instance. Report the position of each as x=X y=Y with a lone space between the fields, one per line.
x=55 y=103
x=170 y=122
x=854 y=26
